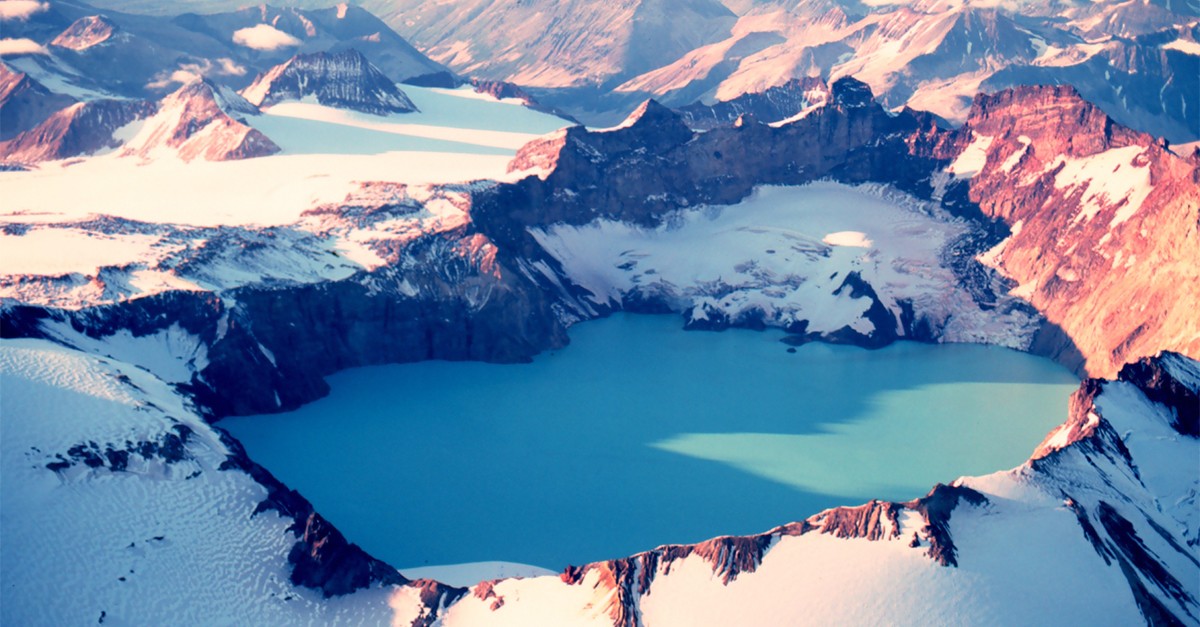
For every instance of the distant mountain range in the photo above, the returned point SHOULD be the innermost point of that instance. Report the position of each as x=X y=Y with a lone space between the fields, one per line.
x=1139 y=61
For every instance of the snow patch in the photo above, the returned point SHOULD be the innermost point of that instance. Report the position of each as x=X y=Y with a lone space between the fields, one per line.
x=1185 y=46
x=973 y=158
x=53 y=251
x=770 y=255
x=1107 y=179
x=848 y=238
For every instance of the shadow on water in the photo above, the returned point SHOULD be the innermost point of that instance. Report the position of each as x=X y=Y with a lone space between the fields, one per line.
x=638 y=435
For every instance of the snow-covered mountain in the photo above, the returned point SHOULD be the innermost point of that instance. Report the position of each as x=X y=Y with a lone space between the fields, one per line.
x=552 y=43
x=1137 y=60
x=272 y=34
x=198 y=120
x=201 y=120
x=79 y=50
x=24 y=102
x=79 y=129
x=344 y=79
x=936 y=56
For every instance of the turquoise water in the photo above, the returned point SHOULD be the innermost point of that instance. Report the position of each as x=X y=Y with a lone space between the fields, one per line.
x=640 y=434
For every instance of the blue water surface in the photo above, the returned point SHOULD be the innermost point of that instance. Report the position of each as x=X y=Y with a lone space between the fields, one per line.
x=640 y=434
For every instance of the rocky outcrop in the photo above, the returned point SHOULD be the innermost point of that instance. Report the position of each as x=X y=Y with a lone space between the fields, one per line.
x=25 y=103
x=774 y=104
x=321 y=557
x=447 y=296
x=1170 y=380
x=630 y=578
x=343 y=79
x=1097 y=210
x=206 y=121
x=80 y=129
x=654 y=164
x=502 y=90
x=86 y=32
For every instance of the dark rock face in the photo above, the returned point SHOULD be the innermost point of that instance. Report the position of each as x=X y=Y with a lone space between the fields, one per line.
x=79 y=129
x=1171 y=381
x=344 y=79
x=445 y=80
x=272 y=352
x=25 y=103
x=771 y=105
x=655 y=164
x=502 y=90
x=115 y=457
x=1154 y=377
x=321 y=558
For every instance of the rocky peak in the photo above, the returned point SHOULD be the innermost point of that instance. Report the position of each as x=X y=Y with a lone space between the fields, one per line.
x=79 y=129
x=1172 y=381
x=343 y=79
x=25 y=103
x=652 y=127
x=502 y=90
x=850 y=93
x=773 y=104
x=86 y=32
x=201 y=119
x=1056 y=115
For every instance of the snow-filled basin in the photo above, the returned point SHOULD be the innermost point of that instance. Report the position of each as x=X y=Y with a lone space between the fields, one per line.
x=640 y=434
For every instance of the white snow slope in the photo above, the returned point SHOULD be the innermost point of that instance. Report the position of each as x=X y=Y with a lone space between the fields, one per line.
x=458 y=136
x=159 y=543
x=785 y=251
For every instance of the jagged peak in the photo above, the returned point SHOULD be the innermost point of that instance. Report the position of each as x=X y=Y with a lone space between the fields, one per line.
x=344 y=78
x=650 y=112
x=224 y=98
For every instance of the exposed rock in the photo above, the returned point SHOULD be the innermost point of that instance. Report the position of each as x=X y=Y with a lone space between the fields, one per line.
x=321 y=558
x=80 y=129
x=1097 y=209
x=629 y=578
x=86 y=32
x=501 y=90
x=654 y=164
x=344 y=79
x=444 y=79
x=1162 y=380
x=25 y=103
x=774 y=104
x=203 y=120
